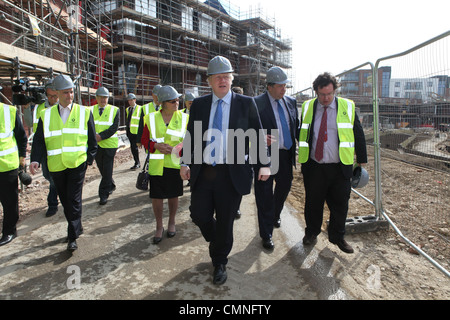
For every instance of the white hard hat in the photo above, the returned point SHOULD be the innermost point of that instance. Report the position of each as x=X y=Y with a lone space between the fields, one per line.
x=189 y=96
x=360 y=177
x=156 y=89
x=63 y=82
x=167 y=93
x=131 y=96
x=102 y=92
x=50 y=84
x=276 y=75
x=219 y=64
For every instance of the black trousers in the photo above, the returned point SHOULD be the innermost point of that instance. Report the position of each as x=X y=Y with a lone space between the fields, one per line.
x=9 y=197
x=325 y=182
x=105 y=163
x=69 y=184
x=52 y=197
x=270 y=200
x=214 y=193
x=133 y=147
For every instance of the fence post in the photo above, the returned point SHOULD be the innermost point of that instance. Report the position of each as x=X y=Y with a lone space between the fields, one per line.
x=376 y=143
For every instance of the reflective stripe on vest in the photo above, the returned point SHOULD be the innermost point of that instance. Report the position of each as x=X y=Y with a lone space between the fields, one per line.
x=149 y=108
x=9 y=154
x=345 y=118
x=134 y=122
x=66 y=143
x=108 y=114
x=37 y=115
x=173 y=134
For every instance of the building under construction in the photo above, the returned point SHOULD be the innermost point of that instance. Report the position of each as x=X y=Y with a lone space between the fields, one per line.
x=130 y=46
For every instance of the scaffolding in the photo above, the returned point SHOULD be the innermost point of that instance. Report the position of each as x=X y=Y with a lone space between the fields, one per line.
x=41 y=39
x=171 y=42
x=132 y=45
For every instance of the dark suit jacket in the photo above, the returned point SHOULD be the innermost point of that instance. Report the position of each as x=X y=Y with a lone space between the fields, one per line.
x=269 y=122
x=360 y=143
x=243 y=115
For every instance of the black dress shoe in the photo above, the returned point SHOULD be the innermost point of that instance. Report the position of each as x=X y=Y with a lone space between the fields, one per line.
x=51 y=211
x=72 y=245
x=309 y=239
x=103 y=201
x=277 y=223
x=268 y=244
x=7 y=239
x=113 y=188
x=238 y=214
x=344 y=246
x=136 y=166
x=220 y=274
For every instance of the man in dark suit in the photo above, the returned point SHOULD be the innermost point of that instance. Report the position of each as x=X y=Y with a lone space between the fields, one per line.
x=330 y=136
x=220 y=165
x=277 y=112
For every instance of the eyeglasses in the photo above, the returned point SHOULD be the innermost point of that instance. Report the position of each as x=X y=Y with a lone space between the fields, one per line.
x=323 y=95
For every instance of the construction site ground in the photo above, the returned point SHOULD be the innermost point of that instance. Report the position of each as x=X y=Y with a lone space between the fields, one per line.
x=117 y=260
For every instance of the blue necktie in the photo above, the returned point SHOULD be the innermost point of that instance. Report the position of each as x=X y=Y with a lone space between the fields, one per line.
x=284 y=127
x=217 y=124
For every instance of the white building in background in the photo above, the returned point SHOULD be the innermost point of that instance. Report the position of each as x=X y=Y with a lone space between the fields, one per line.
x=420 y=89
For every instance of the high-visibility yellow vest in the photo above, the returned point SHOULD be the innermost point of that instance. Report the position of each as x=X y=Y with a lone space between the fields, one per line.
x=173 y=134
x=66 y=143
x=36 y=115
x=134 y=122
x=149 y=108
x=344 y=119
x=103 y=122
x=9 y=153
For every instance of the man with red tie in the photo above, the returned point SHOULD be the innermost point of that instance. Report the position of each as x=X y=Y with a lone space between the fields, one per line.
x=330 y=137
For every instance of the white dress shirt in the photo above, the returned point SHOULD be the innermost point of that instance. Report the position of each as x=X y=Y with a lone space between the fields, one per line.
x=64 y=112
x=274 y=104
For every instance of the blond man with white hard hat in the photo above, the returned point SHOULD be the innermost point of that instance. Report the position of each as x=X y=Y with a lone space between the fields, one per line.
x=219 y=180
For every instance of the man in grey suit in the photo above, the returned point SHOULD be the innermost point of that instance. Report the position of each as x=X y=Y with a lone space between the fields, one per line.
x=277 y=112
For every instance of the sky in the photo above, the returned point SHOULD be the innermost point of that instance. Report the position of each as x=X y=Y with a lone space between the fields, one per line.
x=335 y=36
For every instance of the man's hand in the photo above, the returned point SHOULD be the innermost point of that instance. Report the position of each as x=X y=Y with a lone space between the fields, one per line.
x=270 y=139
x=264 y=173
x=34 y=167
x=185 y=172
x=164 y=148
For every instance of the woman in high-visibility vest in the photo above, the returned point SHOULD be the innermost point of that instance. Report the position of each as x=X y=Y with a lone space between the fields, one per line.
x=162 y=136
x=13 y=148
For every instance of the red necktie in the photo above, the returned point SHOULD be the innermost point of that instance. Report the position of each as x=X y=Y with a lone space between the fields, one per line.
x=322 y=136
